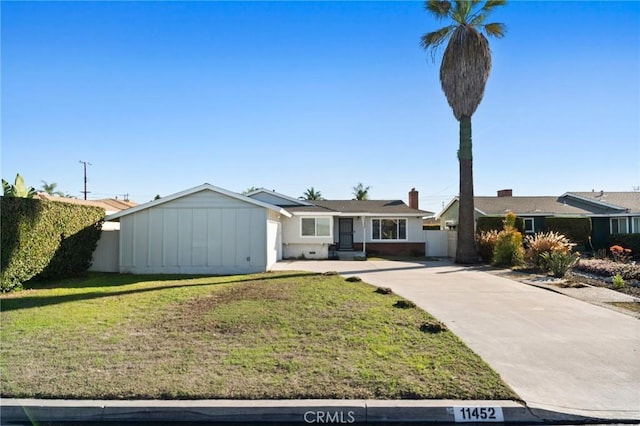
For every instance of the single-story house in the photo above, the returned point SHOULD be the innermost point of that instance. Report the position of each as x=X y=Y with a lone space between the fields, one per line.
x=318 y=229
x=210 y=230
x=610 y=212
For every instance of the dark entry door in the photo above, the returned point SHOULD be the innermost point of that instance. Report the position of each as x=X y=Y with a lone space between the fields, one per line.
x=345 y=237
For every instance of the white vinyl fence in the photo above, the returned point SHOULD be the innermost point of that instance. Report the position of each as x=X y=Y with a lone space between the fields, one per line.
x=440 y=243
x=107 y=254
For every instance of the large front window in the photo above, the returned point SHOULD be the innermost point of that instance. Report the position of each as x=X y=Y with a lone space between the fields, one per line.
x=636 y=225
x=316 y=226
x=389 y=229
x=619 y=225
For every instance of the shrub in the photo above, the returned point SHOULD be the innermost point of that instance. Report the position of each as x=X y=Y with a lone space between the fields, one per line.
x=384 y=290
x=486 y=241
x=558 y=263
x=630 y=241
x=496 y=223
x=508 y=250
x=353 y=279
x=45 y=239
x=576 y=229
x=618 y=282
x=620 y=254
x=545 y=242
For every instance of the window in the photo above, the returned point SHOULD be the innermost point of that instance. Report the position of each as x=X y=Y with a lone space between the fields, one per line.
x=389 y=229
x=618 y=225
x=316 y=226
x=635 y=225
x=529 y=227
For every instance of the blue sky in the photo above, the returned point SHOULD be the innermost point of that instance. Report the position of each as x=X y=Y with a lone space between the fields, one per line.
x=164 y=96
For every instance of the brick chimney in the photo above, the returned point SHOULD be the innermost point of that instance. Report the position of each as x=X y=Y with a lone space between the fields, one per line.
x=413 y=199
x=505 y=193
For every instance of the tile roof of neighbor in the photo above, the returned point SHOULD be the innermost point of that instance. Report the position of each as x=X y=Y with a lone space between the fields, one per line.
x=360 y=207
x=109 y=204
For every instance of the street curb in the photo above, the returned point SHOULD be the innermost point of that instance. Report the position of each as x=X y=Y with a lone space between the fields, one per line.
x=32 y=411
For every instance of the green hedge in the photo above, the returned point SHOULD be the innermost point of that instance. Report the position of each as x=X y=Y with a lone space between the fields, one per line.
x=431 y=227
x=488 y=223
x=576 y=229
x=45 y=239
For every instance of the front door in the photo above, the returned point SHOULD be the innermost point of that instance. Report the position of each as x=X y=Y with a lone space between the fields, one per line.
x=345 y=236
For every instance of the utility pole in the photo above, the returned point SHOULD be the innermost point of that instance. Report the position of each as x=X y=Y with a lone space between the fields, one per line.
x=85 y=192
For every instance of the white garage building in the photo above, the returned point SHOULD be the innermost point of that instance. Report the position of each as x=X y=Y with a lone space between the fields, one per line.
x=203 y=230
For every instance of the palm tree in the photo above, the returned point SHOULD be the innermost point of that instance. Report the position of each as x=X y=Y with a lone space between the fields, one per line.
x=311 y=194
x=50 y=188
x=361 y=192
x=464 y=71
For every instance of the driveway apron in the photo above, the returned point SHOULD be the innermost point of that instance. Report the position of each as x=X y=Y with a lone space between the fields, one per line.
x=557 y=353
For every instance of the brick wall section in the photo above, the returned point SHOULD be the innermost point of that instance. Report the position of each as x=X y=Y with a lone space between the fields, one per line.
x=392 y=249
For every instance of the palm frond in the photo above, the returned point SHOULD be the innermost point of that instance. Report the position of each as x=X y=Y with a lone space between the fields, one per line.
x=439 y=9
x=433 y=40
x=478 y=19
x=491 y=4
x=495 y=29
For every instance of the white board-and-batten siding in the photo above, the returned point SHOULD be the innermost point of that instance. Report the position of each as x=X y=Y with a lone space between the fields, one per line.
x=202 y=233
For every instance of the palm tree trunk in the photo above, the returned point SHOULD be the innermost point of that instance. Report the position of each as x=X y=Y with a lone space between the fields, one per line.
x=466 y=251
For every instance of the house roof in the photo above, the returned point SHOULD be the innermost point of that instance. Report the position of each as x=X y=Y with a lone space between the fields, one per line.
x=283 y=200
x=541 y=205
x=627 y=202
x=109 y=204
x=568 y=204
x=360 y=208
x=195 y=189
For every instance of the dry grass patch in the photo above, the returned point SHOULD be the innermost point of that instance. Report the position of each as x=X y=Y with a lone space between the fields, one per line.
x=273 y=336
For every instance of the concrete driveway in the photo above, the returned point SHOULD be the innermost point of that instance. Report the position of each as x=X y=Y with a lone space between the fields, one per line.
x=557 y=353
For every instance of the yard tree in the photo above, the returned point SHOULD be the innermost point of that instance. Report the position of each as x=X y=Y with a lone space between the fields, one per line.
x=465 y=68
x=50 y=188
x=360 y=192
x=311 y=194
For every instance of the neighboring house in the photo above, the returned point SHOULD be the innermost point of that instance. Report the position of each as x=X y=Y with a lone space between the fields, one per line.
x=610 y=212
x=210 y=230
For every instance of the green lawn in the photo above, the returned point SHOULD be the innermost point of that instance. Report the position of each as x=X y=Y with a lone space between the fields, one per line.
x=272 y=336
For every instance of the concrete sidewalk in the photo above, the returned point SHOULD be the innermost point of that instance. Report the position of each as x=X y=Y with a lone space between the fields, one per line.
x=556 y=352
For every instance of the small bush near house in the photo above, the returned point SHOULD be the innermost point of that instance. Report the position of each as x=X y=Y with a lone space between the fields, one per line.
x=545 y=242
x=576 y=229
x=485 y=242
x=558 y=263
x=496 y=223
x=508 y=250
x=620 y=254
x=630 y=241
x=618 y=282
